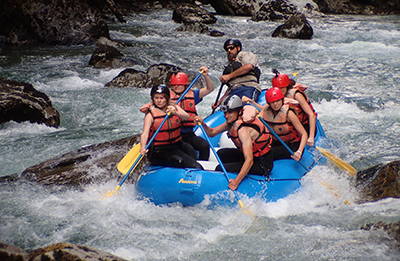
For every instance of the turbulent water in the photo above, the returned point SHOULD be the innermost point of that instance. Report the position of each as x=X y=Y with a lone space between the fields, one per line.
x=352 y=66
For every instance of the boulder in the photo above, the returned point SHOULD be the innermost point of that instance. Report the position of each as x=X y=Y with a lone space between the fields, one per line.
x=155 y=75
x=55 y=22
x=20 y=102
x=365 y=7
x=275 y=10
x=379 y=182
x=191 y=14
x=296 y=27
x=55 y=252
x=12 y=253
x=237 y=7
x=94 y=163
x=105 y=56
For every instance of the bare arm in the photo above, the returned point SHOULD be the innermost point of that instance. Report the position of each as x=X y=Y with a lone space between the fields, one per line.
x=302 y=132
x=209 y=83
x=247 y=149
x=178 y=111
x=148 y=120
x=240 y=71
x=311 y=117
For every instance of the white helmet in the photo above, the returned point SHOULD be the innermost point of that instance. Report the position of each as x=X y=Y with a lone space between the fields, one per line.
x=231 y=103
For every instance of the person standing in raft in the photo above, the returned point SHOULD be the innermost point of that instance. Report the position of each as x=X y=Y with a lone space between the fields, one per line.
x=242 y=76
x=178 y=83
x=285 y=123
x=303 y=109
x=252 y=141
x=167 y=149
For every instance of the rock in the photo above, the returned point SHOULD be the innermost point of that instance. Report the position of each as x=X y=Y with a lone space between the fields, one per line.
x=94 y=163
x=379 y=182
x=109 y=57
x=237 y=7
x=275 y=10
x=69 y=252
x=195 y=28
x=155 y=75
x=366 y=7
x=12 y=253
x=55 y=22
x=55 y=252
x=392 y=229
x=20 y=102
x=216 y=33
x=192 y=14
x=297 y=27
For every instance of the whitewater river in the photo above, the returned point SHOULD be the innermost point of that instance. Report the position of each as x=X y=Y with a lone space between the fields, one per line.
x=352 y=66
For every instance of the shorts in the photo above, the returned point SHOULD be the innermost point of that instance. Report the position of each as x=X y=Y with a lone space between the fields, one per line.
x=247 y=91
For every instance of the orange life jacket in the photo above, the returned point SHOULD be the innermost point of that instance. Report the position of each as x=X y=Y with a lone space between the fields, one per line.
x=170 y=132
x=187 y=104
x=280 y=124
x=261 y=145
x=301 y=114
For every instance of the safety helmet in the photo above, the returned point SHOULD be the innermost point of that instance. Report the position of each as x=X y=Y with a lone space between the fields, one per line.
x=273 y=94
x=160 y=89
x=179 y=78
x=234 y=42
x=231 y=103
x=281 y=81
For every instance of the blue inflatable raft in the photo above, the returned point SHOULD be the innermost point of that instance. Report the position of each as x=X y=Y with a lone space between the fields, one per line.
x=166 y=185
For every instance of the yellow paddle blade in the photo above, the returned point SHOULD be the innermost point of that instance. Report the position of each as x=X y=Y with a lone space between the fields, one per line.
x=111 y=193
x=338 y=162
x=245 y=210
x=126 y=163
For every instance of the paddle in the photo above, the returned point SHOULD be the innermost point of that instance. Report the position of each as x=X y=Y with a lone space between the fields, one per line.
x=240 y=203
x=280 y=140
x=218 y=95
x=328 y=186
x=132 y=155
x=338 y=162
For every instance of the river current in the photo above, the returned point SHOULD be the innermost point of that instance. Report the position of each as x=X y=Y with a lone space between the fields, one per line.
x=352 y=66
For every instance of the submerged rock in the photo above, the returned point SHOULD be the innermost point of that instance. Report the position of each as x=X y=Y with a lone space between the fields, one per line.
x=94 y=163
x=20 y=102
x=392 y=229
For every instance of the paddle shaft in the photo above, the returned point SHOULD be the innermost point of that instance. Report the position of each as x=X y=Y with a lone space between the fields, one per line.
x=157 y=131
x=218 y=95
x=217 y=157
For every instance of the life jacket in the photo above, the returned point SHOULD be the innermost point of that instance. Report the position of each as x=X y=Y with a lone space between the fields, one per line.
x=261 y=145
x=301 y=114
x=187 y=104
x=252 y=78
x=170 y=132
x=280 y=124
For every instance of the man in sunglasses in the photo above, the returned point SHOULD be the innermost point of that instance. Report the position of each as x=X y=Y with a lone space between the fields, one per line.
x=252 y=141
x=241 y=75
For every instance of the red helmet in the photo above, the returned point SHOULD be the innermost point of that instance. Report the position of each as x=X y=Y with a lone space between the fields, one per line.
x=273 y=94
x=179 y=78
x=281 y=81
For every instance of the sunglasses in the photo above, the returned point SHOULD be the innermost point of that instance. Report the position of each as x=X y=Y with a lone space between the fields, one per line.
x=229 y=48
